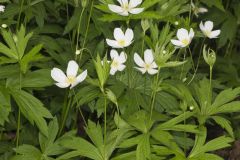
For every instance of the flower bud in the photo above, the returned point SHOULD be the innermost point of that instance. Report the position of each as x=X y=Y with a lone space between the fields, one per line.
x=209 y=56
x=84 y=3
x=77 y=52
x=145 y=25
x=4 y=25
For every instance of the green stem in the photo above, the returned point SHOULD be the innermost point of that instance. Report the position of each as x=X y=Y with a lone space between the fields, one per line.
x=182 y=68
x=191 y=56
x=86 y=34
x=18 y=127
x=78 y=28
x=65 y=111
x=154 y=95
x=210 y=85
x=198 y=62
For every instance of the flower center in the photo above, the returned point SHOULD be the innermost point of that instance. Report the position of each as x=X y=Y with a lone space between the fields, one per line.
x=125 y=6
x=148 y=66
x=115 y=64
x=207 y=33
x=121 y=42
x=71 y=79
x=185 y=41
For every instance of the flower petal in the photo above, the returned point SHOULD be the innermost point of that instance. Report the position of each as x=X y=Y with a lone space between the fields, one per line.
x=152 y=71
x=113 y=43
x=121 y=67
x=115 y=8
x=182 y=34
x=128 y=36
x=202 y=10
x=201 y=26
x=215 y=33
x=154 y=65
x=136 y=10
x=58 y=75
x=62 y=85
x=134 y=3
x=177 y=43
x=72 y=69
x=143 y=70
x=125 y=13
x=138 y=60
x=79 y=79
x=118 y=34
x=113 y=71
x=208 y=25
x=123 y=57
x=191 y=34
x=113 y=54
x=148 y=56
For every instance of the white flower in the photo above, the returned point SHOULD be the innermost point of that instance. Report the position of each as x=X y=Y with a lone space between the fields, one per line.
x=197 y=10
x=2 y=8
x=121 y=40
x=126 y=7
x=148 y=65
x=117 y=61
x=207 y=29
x=184 y=38
x=71 y=79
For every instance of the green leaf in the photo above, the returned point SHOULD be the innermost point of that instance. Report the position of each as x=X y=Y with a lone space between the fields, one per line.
x=216 y=3
x=143 y=151
x=5 y=106
x=32 y=109
x=29 y=151
x=224 y=123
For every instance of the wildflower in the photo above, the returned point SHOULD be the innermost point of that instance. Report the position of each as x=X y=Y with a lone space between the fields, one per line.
x=121 y=40
x=148 y=65
x=184 y=38
x=209 y=56
x=71 y=79
x=117 y=61
x=197 y=10
x=207 y=29
x=2 y=8
x=126 y=7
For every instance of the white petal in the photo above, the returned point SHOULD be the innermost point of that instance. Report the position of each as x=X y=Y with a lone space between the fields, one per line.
x=182 y=34
x=115 y=8
x=123 y=57
x=214 y=34
x=113 y=71
x=123 y=1
x=121 y=67
x=118 y=34
x=62 y=85
x=129 y=36
x=202 y=10
x=177 y=43
x=134 y=3
x=191 y=34
x=208 y=25
x=113 y=54
x=201 y=26
x=138 y=60
x=143 y=70
x=154 y=65
x=58 y=75
x=136 y=10
x=125 y=13
x=72 y=69
x=152 y=71
x=113 y=43
x=80 y=78
x=148 y=56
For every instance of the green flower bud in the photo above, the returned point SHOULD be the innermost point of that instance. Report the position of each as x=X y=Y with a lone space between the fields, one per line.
x=209 y=56
x=145 y=25
x=84 y=3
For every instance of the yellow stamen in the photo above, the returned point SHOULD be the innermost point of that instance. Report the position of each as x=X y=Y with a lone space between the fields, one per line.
x=71 y=79
x=115 y=64
x=185 y=41
x=121 y=42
